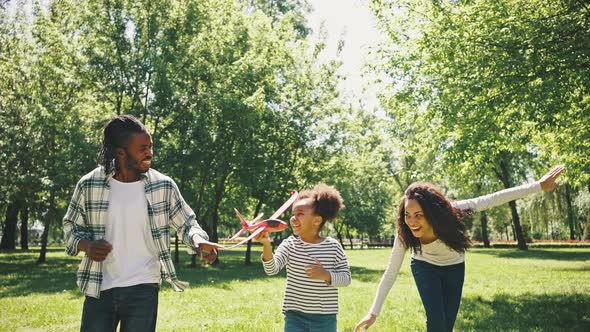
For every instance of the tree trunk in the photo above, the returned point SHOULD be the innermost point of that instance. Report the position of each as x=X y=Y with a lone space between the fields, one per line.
x=340 y=239
x=504 y=176
x=338 y=227
x=570 y=212
x=46 y=224
x=8 y=241
x=349 y=237
x=586 y=235
x=219 y=192
x=248 y=260
x=517 y=228
x=276 y=241
x=193 y=261
x=24 y=227
x=213 y=235
x=483 y=217
x=484 y=229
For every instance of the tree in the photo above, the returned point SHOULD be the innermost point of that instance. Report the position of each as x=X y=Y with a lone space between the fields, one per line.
x=490 y=90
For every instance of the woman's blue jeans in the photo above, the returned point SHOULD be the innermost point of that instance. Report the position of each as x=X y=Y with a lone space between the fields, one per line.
x=135 y=307
x=440 y=288
x=297 y=321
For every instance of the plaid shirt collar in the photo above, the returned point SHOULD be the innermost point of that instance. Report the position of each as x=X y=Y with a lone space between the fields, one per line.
x=86 y=217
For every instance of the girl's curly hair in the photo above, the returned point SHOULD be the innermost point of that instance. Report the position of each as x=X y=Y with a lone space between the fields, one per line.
x=326 y=201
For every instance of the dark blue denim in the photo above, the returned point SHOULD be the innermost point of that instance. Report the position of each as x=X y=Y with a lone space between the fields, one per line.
x=135 y=307
x=297 y=321
x=440 y=288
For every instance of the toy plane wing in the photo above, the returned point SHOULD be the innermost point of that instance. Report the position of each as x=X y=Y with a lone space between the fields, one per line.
x=284 y=207
x=253 y=235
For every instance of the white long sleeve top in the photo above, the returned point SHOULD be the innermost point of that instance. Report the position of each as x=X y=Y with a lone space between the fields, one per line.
x=437 y=252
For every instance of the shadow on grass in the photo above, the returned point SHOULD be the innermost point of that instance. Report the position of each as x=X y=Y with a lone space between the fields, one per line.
x=232 y=268
x=33 y=250
x=20 y=275
x=525 y=313
x=367 y=275
x=569 y=255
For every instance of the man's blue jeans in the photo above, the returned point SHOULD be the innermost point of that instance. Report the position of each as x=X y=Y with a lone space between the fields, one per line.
x=296 y=321
x=440 y=289
x=136 y=307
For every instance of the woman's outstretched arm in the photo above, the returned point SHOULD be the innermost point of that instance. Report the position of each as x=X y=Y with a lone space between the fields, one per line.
x=546 y=183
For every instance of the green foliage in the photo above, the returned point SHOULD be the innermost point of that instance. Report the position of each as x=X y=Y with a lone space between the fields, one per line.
x=237 y=106
x=486 y=92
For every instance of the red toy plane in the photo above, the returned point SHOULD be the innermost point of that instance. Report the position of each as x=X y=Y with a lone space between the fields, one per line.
x=268 y=225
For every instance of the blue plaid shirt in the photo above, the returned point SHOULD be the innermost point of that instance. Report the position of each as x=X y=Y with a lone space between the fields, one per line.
x=87 y=214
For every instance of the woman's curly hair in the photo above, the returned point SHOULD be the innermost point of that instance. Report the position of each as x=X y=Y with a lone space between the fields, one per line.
x=442 y=215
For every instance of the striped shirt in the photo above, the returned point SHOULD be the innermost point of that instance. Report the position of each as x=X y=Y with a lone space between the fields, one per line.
x=302 y=293
x=87 y=213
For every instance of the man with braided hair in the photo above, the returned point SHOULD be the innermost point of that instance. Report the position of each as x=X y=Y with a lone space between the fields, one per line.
x=120 y=216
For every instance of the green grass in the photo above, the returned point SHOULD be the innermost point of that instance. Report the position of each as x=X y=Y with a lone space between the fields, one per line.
x=505 y=290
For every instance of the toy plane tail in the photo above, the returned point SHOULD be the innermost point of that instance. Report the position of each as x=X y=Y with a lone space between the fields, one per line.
x=245 y=224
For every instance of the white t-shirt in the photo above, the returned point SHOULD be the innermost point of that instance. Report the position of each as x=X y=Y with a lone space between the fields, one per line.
x=134 y=258
x=437 y=252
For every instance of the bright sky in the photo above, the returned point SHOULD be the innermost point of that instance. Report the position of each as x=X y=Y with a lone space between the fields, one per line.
x=352 y=21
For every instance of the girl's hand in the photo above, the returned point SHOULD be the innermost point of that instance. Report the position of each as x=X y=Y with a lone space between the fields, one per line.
x=366 y=322
x=316 y=271
x=263 y=238
x=548 y=180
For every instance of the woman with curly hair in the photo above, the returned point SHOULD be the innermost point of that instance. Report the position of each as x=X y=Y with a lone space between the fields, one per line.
x=430 y=224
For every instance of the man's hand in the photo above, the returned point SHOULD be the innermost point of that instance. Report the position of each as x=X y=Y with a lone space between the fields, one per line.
x=96 y=250
x=211 y=253
x=365 y=323
x=548 y=180
x=316 y=271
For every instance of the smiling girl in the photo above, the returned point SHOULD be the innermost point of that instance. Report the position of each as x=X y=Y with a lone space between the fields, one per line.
x=316 y=265
x=430 y=224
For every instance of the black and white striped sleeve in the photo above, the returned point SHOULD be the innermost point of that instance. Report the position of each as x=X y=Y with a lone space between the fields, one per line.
x=341 y=276
x=278 y=261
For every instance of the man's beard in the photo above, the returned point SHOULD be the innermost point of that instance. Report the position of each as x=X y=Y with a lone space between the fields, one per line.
x=133 y=164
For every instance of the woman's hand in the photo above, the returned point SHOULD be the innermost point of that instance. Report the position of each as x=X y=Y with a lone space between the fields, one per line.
x=366 y=322
x=548 y=180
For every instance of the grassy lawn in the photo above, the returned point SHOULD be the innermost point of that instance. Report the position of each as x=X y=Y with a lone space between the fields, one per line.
x=505 y=290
